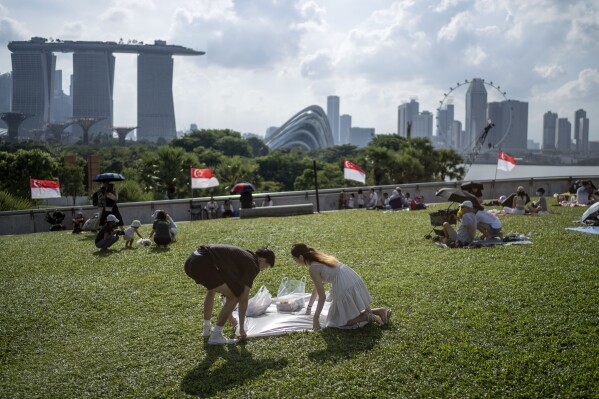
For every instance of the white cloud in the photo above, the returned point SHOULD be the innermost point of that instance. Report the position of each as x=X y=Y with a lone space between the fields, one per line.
x=474 y=55
x=318 y=65
x=549 y=71
x=457 y=24
x=585 y=87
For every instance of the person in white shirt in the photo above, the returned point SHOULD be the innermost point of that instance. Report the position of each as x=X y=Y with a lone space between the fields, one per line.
x=373 y=200
x=267 y=201
x=211 y=208
x=488 y=224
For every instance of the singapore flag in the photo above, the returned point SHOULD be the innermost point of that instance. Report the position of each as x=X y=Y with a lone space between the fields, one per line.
x=505 y=162
x=351 y=171
x=44 y=188
x=203 y=178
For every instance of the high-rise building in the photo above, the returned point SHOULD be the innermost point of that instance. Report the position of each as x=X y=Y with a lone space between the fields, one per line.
x=457 y=135
x=62 y=104
x=33 y=86
x=155 y=106
x=510 y=117
x=476 y=111
x=406 y=113
x=423 y=125
x=361 y=136
x=564 y=135
x=584 y=134
x=445 y=117
x=549 y=130
x=333 y=116
x=344 y=128
x=5 y=95
x=578 y=115
x=93 y=83
x=270 y=131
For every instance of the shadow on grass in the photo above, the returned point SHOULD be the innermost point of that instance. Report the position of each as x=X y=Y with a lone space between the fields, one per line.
x=156 y=248
x=225 y=367
x=102 y=253
x=344 y=344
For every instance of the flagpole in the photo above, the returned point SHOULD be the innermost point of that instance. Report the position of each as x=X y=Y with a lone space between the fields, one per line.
x=316 y=187
x=495 y=177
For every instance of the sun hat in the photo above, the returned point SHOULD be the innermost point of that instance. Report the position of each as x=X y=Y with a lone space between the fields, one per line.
x=111 y=218
x=467 y=204
x=136 y=223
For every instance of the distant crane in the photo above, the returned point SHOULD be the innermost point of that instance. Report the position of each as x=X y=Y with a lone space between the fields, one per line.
x=478 y=145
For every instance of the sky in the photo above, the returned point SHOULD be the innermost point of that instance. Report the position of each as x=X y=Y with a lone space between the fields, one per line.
x=268 y=59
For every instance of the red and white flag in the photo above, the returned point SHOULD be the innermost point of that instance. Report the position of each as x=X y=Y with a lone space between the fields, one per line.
x=505 y=162
x=203 y=178
x=44 y=188
x=351 y=171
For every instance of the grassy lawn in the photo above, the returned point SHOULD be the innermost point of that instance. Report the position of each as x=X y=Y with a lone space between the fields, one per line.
x=507 y=321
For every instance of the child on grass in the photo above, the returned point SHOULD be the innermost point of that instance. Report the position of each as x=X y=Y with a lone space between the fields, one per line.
x=130 y=232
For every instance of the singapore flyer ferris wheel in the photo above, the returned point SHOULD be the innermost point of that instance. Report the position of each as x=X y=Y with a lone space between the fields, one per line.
x=474 y=144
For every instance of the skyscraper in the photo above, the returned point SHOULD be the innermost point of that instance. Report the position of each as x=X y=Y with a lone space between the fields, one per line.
x=93 y=82
x=549 y=130
x=564 y=135
x=578 y=116
x=33 y=87
x=445 y=118
x=361 y=136
x=500 y=114
x=344 y=128
x=423 y=125
x=62 y=104
x=5 y=94
x=155 y=106
x=476 y=111
x=584 y=127
x=406 y=113
x=333 y=116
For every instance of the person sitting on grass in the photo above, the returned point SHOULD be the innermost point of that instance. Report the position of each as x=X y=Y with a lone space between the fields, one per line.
x=488 y=224
x=107 y=236
x=78 y=222
x=129 y=234
x=161 y=230
x=466 y=232
x=539 y=206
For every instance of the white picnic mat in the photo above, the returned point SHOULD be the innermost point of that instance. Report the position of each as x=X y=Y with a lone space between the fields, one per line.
x=585 y=229
x=278 y=323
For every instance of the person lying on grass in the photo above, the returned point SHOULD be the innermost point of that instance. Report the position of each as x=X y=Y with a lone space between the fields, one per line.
x=230 y=271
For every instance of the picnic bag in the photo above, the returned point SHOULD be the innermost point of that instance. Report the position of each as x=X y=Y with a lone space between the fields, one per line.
x=258 y=304
x=291 y=286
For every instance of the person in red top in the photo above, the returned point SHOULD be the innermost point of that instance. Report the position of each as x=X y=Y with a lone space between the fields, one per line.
x=230 y=271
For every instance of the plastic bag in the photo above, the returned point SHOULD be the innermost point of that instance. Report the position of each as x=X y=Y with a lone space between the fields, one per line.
x=288 y=287
x=290 y=303
x=258 y=304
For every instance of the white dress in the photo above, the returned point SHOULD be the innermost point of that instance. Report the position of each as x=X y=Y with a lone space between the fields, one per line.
x=348 y=293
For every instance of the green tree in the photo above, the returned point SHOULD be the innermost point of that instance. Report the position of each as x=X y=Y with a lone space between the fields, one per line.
x=338 y=153
x=236 y=169
x=208 y=156
x=166 y=172
x=257 y=146
x=329 y=176
x=449 y=164
x=71 y=179
x=230 y=146
x=283 y=166
x=17 y=168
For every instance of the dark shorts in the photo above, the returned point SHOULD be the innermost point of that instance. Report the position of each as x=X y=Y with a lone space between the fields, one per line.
x=202 y=270
x=162 y=240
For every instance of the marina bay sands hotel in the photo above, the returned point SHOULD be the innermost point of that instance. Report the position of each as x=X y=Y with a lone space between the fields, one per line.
x=33 y=80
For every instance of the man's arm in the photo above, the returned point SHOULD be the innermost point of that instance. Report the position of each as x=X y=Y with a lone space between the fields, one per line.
x=243 y=306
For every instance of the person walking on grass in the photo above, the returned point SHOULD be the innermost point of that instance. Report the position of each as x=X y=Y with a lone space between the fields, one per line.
x=229 y=271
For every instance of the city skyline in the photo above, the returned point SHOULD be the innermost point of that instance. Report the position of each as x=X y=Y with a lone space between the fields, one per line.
x=265 y=60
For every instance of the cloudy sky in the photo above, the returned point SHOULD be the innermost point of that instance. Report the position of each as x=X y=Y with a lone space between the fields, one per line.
x=267 y=59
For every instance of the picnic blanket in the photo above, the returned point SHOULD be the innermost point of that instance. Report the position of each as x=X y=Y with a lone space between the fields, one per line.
x=585 y=229
x=511 y=239
x=278 y=323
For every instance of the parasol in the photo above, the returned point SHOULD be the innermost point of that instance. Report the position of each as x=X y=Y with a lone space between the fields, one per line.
x=102 y=177
x=592 y=212
x=458 y=195
x=243 y=188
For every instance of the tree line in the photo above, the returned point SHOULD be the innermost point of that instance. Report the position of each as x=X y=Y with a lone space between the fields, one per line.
x=156 y=171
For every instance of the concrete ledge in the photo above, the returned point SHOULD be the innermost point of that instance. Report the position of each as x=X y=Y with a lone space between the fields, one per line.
x=277 y=210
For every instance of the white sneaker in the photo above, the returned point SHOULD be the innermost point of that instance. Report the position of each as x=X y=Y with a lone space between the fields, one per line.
x=219 y=339
x=206 y=330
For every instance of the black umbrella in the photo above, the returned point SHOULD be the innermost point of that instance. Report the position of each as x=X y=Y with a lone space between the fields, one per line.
x=242 y=188
x=102 y=177
x=471 y=186
x=458 y=195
